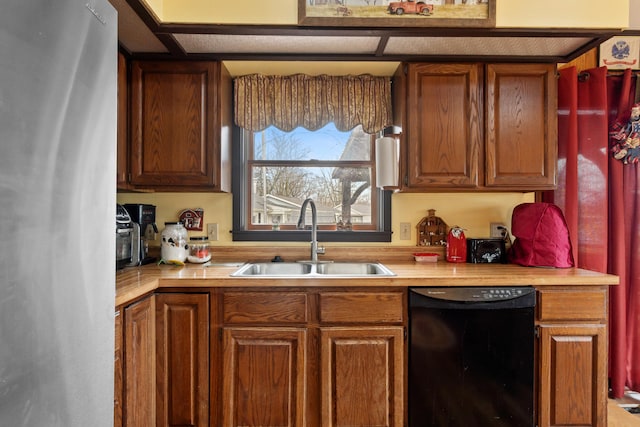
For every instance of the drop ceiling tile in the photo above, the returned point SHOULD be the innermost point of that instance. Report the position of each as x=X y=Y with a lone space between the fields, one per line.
x=225 y=43
x=484 y=46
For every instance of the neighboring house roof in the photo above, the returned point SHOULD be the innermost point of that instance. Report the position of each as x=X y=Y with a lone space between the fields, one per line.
x=358 y=209
x=277 y=201
x=283 y=204
x=357 y=148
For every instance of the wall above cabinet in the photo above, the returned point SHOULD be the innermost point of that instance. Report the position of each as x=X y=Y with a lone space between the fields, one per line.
x=142 y=34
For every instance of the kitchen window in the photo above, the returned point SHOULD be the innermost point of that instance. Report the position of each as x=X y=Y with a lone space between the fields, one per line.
x=275 y=171
x=300 y=137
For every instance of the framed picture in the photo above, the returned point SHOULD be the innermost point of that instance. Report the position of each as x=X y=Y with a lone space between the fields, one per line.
x=620 y=52
x=406 y=13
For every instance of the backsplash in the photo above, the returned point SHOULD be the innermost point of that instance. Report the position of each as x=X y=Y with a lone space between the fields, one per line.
x=471 y=211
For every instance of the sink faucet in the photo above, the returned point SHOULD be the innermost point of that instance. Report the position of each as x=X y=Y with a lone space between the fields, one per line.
x=315 y=250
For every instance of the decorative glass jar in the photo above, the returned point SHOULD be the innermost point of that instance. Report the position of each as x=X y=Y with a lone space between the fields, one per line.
x=199 y=250
x=173 y=246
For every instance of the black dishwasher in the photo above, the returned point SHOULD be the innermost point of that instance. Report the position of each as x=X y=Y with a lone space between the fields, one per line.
x=471 y=357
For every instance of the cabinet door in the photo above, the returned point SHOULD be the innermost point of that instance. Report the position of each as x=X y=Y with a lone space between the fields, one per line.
x=444 y=125
x=140 y=362
x=118 y=373
x=573 y=376
x=521 y=126
x=173 y=125
x=362 y=376
x=264 y=381
x=182 y=351
x=123 y=125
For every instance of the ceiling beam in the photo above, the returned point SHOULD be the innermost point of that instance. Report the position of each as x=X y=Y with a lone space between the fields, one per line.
x=165 y=32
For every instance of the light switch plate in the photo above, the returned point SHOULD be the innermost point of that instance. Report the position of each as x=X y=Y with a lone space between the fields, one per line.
x=212 y=232
x=405 y=231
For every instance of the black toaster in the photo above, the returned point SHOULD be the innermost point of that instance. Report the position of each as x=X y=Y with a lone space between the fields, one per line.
x=486 y=251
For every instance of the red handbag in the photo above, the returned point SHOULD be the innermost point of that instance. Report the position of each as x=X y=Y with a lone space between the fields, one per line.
x=541 y=236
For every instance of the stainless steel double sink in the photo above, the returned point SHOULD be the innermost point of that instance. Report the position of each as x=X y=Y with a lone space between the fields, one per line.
x=312 y=269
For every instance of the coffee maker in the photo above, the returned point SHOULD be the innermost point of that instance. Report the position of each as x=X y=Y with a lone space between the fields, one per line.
x=145 y=217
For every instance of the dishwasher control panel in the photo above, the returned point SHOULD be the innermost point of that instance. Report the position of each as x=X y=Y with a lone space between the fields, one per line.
x=471 y=294
x=502 y=293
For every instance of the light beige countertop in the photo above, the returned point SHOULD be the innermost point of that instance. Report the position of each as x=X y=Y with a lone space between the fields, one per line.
x=133 y=282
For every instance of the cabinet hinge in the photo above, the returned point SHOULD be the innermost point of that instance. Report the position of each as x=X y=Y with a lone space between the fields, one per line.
x=220 y=334
x=406 y=179
x=405 y=333
x=536 y=333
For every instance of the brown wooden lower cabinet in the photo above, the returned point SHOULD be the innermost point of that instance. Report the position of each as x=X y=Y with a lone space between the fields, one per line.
x=166 y=361
x=572 y=384
x=264 y=376
x=118 y=372
x=139 y=364
x=572 y=357
x=362 y=376
x=182 y=360
x=311 y=357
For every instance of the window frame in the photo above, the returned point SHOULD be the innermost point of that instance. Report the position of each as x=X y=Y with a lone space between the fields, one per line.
x=242 y=231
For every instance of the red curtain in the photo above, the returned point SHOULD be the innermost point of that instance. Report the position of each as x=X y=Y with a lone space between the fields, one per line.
x=600 y=199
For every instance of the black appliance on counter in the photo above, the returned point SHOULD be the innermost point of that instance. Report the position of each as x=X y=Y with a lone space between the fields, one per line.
x=145 y=216
x=127 y=238
x=471 y=356
x=486 y=251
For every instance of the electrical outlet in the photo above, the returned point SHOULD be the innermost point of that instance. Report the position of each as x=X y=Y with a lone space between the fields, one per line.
x=212 y=232
x=497 y=229
x=405 y=231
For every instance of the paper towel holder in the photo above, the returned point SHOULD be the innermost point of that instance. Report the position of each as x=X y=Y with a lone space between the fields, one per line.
x=387 y=149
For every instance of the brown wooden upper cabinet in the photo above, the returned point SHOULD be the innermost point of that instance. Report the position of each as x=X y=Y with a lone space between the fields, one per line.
x=122 y=173
x=444 y=127
x=521 y=126
x=180 y=136
x=479 y=126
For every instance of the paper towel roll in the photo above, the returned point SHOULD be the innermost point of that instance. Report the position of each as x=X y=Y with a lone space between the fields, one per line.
x=387 y=155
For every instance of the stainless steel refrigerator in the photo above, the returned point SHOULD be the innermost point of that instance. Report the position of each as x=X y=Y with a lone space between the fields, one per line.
x=58 y=68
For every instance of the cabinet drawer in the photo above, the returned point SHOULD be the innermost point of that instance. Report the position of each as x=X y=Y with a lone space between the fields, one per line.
x=264 y=307
x=361 y=307
x=572 y=304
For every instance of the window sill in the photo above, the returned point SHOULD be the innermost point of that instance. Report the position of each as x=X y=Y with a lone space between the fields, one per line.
x=305 y=236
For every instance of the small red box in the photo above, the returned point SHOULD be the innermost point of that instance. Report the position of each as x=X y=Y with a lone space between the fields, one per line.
x=425 y=257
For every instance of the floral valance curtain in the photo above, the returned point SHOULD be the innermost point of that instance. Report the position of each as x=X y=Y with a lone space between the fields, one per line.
x=312 y=101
